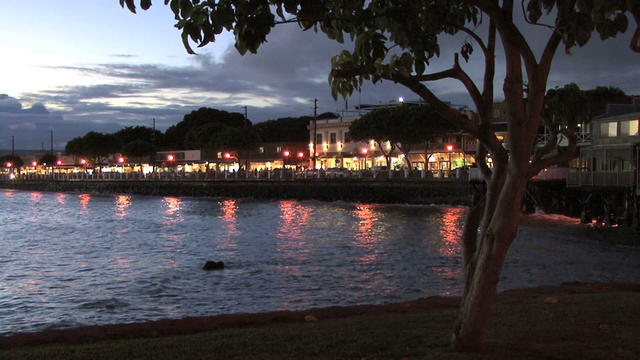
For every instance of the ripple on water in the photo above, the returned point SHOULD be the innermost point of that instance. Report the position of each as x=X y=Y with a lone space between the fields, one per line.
x=107 y=259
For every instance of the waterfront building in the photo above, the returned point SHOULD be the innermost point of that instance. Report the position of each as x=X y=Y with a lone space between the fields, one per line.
x=334 y=147
x=612 y=159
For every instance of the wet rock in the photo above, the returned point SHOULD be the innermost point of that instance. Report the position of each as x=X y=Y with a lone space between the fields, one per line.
x=212 y=265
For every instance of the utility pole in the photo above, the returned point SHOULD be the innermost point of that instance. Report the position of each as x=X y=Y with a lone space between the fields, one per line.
x=12 y=145
x=153 y=144
x=52 y=142
x=245 y=116
x=315 y=131
x=246 y=153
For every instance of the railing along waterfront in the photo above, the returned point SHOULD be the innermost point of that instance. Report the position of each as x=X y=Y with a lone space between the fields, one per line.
x=283 y=175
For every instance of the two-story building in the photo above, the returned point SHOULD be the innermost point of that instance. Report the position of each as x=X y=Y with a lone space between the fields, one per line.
x=612 y=159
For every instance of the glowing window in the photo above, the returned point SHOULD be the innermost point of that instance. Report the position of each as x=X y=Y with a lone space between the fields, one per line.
x=629 y=128
x=609 y=129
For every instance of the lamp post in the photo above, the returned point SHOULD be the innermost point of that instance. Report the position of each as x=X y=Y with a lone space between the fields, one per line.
x=170 y=158
x=121 y=161
x=450 y=149
x=83 y=162
x=365 y=152
x=285 y=156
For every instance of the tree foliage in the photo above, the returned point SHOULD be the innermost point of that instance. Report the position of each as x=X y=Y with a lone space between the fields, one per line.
x=238 y=141
x=394 y=40
x=130 y=134
x=138 y=149
x=375 y=126
x=14 y=160
x=95 y=147
x=48 y=159
x=175 y=138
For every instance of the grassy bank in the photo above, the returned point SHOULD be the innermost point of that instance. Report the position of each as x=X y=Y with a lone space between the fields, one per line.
x=530 y=324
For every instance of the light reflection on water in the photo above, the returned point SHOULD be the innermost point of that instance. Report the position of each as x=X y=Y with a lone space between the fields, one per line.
x=77 y=259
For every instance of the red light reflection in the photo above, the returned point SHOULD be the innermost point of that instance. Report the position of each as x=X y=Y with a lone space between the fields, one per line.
x=368 y=217
x=451 y=230
x=84 y=200
x=293 y=219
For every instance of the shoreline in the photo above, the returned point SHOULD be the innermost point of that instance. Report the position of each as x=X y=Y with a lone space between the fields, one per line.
x=195 y=325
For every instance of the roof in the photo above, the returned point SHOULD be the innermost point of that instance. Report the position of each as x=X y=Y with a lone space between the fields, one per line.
x=633 y=115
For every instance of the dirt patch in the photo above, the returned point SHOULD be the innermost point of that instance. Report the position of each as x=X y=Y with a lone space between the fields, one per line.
x=161 y=328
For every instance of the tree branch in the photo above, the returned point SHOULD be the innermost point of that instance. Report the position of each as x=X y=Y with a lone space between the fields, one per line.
x=566 y=156
x=508 y=31
x=445 y=74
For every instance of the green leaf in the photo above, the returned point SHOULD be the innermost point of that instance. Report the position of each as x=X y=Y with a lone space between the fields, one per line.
x=535 y=10
x=185 y=42
x=145 y=4
x=130 y=5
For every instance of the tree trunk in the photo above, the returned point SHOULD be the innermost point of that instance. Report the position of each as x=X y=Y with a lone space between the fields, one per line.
x=470 y=331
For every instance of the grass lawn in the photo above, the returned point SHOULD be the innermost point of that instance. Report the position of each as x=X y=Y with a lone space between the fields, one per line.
x=582 y=326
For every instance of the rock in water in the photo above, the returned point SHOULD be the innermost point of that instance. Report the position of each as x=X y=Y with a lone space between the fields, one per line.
x=212 y=265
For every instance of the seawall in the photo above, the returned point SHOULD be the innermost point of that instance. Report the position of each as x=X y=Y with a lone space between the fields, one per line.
x=452 y=192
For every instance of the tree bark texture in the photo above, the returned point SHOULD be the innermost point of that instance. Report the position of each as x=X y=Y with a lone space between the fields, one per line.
x=485 y=268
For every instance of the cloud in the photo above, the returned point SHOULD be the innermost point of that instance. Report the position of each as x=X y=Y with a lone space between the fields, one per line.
x=123 y=56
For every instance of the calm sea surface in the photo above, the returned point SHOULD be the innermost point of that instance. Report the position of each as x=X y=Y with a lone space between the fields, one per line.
x=68 y=260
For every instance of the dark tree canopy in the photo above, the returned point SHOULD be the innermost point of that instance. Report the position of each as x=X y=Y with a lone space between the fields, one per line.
x=130 y=134
x=48 y=159
x=14 y=160
x=95 y=147
x=284 y=129
x=199 y=137
x=601 y=96
x=239 y=141
x=176 y=135
x=138 y=150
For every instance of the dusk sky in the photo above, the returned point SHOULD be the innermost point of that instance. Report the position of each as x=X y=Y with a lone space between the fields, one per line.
x=75 y=66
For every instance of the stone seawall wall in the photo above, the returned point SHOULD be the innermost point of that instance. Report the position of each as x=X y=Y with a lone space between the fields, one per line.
x=405 y=192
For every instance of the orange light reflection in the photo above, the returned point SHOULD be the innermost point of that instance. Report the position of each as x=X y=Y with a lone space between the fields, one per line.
x=366 y=235
x=122 y=203
x=84 y=200
x=451 y=231
x=229 y=217
x=293 y=219
x=172 y=213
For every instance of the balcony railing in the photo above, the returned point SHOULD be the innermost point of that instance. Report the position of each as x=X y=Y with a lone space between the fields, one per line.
x=584 y=138
x=601 y=179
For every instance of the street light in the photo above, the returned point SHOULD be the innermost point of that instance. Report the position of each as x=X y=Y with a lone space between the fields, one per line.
x=365 y=152
x=285 y=154
x=121 y=161
x=450 y=149
x=170 y=158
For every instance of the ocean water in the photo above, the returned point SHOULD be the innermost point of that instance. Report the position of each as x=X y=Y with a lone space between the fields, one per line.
x=68 y=260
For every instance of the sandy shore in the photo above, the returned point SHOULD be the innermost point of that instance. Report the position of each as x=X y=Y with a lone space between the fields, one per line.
x=162 y=328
